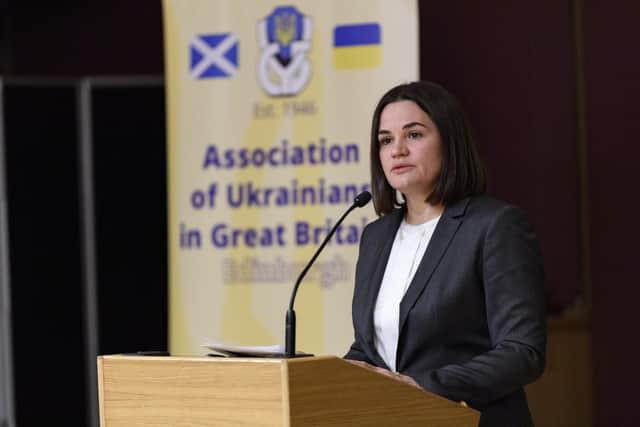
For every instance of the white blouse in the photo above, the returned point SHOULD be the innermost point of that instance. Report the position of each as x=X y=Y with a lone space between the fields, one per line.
x=409 y=246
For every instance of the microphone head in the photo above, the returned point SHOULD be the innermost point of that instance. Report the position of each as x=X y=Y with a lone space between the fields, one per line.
x=362 y=199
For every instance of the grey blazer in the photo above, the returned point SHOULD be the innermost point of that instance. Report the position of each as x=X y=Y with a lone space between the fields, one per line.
x=472 y=323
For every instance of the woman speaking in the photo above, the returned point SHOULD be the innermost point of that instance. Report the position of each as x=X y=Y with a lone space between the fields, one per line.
x=449 y=282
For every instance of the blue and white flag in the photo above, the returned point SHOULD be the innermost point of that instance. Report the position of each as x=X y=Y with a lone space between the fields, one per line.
x=214 y=55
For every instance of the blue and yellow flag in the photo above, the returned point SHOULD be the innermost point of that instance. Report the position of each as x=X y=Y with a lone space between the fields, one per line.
x=357 y=46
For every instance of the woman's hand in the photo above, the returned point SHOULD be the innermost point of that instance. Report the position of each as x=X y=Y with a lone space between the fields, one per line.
x=400 y=377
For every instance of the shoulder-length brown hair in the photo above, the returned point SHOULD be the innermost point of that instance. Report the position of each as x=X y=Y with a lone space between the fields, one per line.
x=462 y=172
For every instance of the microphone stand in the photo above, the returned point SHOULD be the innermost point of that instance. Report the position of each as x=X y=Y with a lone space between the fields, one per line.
x=290 y=320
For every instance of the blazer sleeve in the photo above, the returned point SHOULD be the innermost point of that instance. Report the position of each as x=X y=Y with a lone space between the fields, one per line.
x=513 y=282
x=356 y=353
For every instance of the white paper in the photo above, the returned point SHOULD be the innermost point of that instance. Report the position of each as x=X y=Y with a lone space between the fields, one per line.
x=243 y=350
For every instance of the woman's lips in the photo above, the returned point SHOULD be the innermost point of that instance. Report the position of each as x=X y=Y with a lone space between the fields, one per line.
x=401 y=168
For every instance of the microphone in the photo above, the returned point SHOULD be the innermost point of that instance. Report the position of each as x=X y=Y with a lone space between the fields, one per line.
x=290 y=322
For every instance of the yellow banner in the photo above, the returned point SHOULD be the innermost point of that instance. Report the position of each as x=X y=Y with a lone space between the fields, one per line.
x=269 y=109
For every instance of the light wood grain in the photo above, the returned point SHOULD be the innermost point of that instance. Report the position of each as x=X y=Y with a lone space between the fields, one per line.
x=314 y=391
x=170 y=391
x=101 y=390
x=333 y=392
x=286 y=409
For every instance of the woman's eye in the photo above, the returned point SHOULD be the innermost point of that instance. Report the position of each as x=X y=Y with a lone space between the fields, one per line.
x=414 y=135
x=384 y=141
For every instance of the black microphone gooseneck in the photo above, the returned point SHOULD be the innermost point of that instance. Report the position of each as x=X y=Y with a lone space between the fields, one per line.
x=290 y=322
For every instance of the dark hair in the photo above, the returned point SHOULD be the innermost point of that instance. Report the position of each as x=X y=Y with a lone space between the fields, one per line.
x=462 y=172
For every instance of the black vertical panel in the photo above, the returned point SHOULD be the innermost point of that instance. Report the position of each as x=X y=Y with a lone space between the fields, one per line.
x=130 y=206
x=46 y=292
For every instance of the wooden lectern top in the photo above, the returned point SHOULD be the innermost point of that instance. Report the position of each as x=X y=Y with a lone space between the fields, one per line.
x=309 y=391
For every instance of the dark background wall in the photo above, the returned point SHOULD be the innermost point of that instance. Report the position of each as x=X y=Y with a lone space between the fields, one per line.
x=612 y=71
x=550 y=87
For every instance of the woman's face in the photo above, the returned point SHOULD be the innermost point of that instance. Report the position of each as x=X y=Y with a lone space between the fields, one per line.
x=410 y=149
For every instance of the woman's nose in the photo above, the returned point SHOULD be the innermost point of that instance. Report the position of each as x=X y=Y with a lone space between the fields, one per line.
x=400 y=148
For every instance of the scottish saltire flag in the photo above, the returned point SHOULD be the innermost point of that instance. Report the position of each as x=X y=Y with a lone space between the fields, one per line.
x=213 y=55
x=357 y=46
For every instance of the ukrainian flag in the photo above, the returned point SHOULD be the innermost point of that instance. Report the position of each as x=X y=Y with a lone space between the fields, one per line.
x=357 y=46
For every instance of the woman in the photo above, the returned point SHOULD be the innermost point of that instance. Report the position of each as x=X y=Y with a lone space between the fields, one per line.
x=449 y=282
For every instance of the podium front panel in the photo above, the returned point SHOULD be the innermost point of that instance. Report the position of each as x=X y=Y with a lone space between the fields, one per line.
x=189 y=391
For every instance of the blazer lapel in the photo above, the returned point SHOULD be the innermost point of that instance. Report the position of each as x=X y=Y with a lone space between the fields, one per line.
x=442 y=235
x=379 y=260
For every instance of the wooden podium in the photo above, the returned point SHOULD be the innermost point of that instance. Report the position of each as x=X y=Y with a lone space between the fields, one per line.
x=310 y=391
